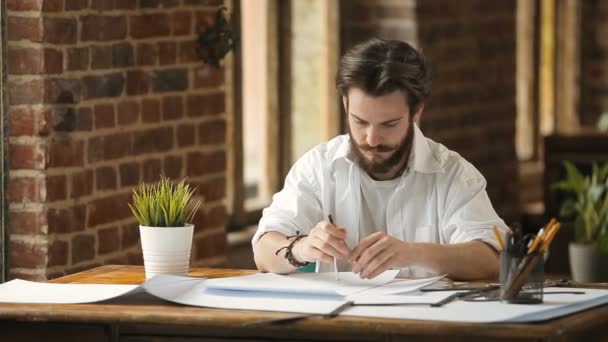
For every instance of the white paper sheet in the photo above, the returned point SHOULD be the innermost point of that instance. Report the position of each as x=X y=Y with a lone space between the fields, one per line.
x=184 y=290
x=23 y=291
x=492 y=312
x=396 y=286
x=321 y=284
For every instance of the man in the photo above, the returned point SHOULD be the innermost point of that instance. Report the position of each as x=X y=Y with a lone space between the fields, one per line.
x=397 y=198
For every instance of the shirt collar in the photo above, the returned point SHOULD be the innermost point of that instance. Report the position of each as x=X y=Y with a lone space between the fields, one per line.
x=422 y=158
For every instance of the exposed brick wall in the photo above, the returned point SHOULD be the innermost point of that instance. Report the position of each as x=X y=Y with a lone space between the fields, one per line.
x=471 y=46
x=103 y=95
x=594 y=73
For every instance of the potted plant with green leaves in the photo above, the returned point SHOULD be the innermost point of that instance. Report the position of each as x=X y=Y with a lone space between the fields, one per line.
x=165 y=211
x=586 y=208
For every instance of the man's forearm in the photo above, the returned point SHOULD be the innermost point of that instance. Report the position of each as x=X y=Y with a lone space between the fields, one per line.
x=464 y=261
x=264 y=254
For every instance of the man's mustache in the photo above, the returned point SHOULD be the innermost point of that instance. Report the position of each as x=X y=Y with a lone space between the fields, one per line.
x=379 y=148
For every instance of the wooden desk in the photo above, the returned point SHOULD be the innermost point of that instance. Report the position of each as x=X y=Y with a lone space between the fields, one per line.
x=161 y=321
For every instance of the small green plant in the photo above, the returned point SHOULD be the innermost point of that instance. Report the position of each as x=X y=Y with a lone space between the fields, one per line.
x=588 y=207
x=164 y=204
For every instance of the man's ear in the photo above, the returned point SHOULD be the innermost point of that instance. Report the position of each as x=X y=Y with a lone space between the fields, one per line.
x=418 y=114
x=345 y=104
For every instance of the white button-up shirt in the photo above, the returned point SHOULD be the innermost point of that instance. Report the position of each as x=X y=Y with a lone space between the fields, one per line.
x=440 y=198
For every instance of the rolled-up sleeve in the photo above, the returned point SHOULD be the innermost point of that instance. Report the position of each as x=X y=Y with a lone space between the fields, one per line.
x=297 y=207
x=469 y=214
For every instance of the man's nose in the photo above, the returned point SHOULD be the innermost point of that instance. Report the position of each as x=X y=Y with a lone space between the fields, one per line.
x=373 y=138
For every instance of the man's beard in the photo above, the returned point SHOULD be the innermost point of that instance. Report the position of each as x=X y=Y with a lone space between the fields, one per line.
x=399 y=153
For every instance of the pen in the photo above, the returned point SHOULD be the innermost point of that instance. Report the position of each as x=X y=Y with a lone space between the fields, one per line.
x=501 y=243
x=331 y=220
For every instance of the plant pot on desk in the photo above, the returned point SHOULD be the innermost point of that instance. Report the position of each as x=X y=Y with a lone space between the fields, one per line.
x=586 y=264
x=166 y=250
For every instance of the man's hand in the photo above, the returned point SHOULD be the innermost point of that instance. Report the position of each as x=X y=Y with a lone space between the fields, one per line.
x=376 y=254
x=324 y=242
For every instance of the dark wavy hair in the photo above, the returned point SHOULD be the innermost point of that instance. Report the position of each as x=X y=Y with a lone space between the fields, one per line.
x=380 y=67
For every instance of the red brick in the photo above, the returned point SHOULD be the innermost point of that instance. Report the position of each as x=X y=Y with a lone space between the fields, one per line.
x=128 y=112
x=27 y=156
x=108 y=240
x=62 y=91
x=24 y=5
x=187 y=52
x=151 y=170
x=199 y=163
x=60 y=30
x=65 y=153
x=82 y=184
x=153 y=140
x=125 y=4
x=170 y=80
x=103 y=28
x=101 y=57
x=104 y=5
x=24 y=189
x=182 y=21
x=199 y=105
x=135 y=258
x=25 y=28
x=150 y=25
x=58 y=253
x=212 y=132
x=26 y=92
x=109 y=147
x=56 y=188
x=204 y=2
x=150 y=110
x=52 y=6
x=213 y=189
x=173 y=108
x=66 y=220
x=167 y=53
x=104 y=116
x=173 y=167
x=83 y=248
x=27 y=254
x=75 y=5
x=27 y=222
x=210 y=245
x=77 y=59
x=84 y=119
x=208 y=77
x=129 y=235
x=107 y=85
x=109 y=209
x=22 y=121
x=105 y=178
x=122 y=55
x=146 y=53
x=28 y=61
x=185 y=135
x=129 y=174
x=159 y=3
x=138 y=82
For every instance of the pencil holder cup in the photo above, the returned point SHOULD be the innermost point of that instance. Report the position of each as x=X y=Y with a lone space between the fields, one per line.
x=521 y=278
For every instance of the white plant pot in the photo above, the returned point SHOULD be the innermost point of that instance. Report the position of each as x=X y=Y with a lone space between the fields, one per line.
x=166 y=250
x=587 y=265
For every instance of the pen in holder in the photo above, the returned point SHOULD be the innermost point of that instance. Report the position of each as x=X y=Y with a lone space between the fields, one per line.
x=521 y=277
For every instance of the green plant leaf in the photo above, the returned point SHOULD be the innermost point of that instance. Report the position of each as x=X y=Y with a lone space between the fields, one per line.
x=163 y=204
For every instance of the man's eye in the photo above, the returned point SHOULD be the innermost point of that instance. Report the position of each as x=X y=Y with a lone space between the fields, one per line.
x=392 y=124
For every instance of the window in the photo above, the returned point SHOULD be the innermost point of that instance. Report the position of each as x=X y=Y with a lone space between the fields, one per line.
x=283 y=98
